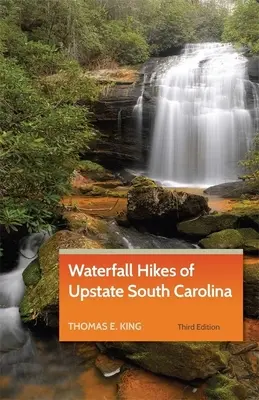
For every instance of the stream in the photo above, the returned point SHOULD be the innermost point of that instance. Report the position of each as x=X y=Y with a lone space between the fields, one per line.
x=42 y=368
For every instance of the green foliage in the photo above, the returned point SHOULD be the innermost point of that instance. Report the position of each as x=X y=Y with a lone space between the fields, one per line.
x=42 y=129
x=44 y=45
x=125 y=45
x=121 y=30
x=209 y=21
x=242 y=26
x=171 y=27
x=251 y=164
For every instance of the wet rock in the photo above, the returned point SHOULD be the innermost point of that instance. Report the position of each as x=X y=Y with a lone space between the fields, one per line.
x=253 y=68
x=142 y=385
x=32 y=273
x=40 y=302
x=94 y=171
x=237 y=348
x=93 y=190
x=83 y=223
x=251 y=290
x=226 y=239
x=220 y=387
x=78 y=180
x=170 y=358
x=207 y=224
x=251 y=240
x=122 y=220
x=108 y=366
x=248 y=213
x=248 y=233
x=158 y=210
x=252 y=246
x=231 y=190
x=119 y=145
x=243 y=368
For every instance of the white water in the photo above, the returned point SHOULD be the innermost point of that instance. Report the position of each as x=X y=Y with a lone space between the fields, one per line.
x=12 y=334
x=138 y=114
x=202 y=126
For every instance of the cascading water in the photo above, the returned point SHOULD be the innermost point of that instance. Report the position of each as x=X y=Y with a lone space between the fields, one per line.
x=202 y=126
x=138 y=114
x=14 y=339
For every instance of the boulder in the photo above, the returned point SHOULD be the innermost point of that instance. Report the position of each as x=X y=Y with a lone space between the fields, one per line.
x=32 y=274
x=205 y=225
x=226 y=239
x=40 y=302
x=158 y=210
x=221 y=387
x=248 y=233
x=251 y=290
x=94 y=171
x=251 y=240
x=93 y=190
x=183 y=360
x=231 y=190
x=83 y=223
x=122 y=219
x=251 y=246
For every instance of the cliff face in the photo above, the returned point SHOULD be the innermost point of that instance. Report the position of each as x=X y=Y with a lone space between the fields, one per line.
x=120 y=143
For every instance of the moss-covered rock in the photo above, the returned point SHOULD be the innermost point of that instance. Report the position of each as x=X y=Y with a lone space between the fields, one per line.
x=205 y=225
x=248 y=233
x=32 y=274
x=220 y=387
x=158 y=209
x=226 y=239
x=81 y=222
x=92 y=190
x=94 y=171
x=183 y=360
x=40 y=302
x=248 y=213
x=122 y=219
x=251 y=290
x=251 y=246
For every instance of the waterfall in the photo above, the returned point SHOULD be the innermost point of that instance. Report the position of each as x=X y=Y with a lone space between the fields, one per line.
x=138 y=114
x=13 y=337
x=203 y=126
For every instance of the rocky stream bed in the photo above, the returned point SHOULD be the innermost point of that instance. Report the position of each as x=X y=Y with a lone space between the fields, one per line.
x=107 y=212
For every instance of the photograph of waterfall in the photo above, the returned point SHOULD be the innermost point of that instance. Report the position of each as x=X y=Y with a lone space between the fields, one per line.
x=127 y=125
x=203 y=125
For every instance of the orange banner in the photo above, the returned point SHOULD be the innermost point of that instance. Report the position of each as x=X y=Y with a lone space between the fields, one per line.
x=149 y=295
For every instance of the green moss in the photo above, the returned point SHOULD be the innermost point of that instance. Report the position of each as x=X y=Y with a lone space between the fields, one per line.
x=89 y=166
x=94 y=171
x=207 y=224
x=251 y=273
x=252 y=246
x=32 y=273
x=248 y=233
x=92 y=190
x=226 y=239
x=169 y=358
x=142 y=181
x=246 y=207
x=45 y=294
x=220 y=387
x=78 y=221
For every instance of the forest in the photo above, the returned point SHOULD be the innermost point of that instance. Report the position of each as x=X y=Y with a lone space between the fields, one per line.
x=48 y=47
